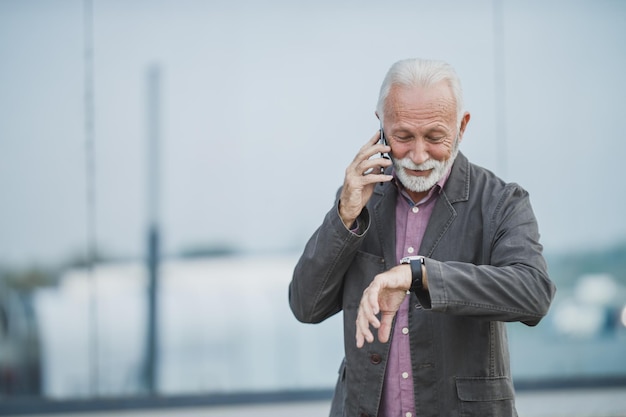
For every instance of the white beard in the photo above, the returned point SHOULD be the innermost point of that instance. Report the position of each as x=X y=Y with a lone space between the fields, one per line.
x=422 y=184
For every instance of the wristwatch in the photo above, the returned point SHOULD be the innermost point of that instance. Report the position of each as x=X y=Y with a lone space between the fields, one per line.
x=416 y=262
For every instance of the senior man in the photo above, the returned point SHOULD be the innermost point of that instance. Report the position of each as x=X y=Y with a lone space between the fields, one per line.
x=427 y=255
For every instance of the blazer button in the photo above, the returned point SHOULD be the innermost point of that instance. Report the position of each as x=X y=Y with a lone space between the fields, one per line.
x=365 y=415
x=375 y=358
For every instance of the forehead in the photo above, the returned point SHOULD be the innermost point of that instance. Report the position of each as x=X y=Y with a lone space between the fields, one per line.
x=435 y=103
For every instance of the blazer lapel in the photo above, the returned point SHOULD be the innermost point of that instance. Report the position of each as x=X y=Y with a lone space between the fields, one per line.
x=455 y=190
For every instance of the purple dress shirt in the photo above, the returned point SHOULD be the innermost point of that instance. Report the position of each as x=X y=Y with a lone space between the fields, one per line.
x=411 y=220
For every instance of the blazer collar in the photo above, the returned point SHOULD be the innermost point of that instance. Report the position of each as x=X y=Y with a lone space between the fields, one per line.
x=455 y=190
x=457 y=187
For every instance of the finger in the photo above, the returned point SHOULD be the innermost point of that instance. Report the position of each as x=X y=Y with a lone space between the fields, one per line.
x=379 y=178
x=373 y=165
x=363 y=336
x=371 y=298
x=363 y=332
x=373 y=139
x=371 y=148
x=366 y=148
x=360 y=341
x=368 y=311
x=384 y=331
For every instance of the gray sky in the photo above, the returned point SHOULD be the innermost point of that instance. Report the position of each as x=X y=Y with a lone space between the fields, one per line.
x=263 y=97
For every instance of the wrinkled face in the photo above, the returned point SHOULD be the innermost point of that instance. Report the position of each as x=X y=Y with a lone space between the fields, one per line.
x=421 y=128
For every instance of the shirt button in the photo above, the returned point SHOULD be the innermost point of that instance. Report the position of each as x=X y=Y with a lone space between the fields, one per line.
x=415 y=209
x=411 y=249
x=405 y=375
x=408 y=414
x=405 y=330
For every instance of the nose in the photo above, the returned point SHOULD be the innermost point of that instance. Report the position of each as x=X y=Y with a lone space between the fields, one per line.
x=419 y=152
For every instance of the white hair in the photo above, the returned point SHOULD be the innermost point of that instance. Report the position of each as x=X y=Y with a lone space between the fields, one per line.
x=418 y=72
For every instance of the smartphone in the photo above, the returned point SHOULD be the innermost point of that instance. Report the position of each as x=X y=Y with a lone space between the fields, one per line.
x=383 y=141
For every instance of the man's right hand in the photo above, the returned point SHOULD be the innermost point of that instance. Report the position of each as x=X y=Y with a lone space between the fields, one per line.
x=361 y=178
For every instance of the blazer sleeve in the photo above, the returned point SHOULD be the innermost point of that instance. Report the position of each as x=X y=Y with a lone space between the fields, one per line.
x=513 y=285
x=316 y=289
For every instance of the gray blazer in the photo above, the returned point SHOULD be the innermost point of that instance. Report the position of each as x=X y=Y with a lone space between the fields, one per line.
x=485 y=267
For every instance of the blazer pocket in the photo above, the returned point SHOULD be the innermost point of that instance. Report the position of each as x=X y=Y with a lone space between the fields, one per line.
x=486 y=396
x=362 y=271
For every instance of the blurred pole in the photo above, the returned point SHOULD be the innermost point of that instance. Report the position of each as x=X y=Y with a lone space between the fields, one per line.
x=500 y=87
x=90 y=180
x=153 y=238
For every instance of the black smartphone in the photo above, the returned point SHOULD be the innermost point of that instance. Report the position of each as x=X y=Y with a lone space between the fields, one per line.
x=383 y=140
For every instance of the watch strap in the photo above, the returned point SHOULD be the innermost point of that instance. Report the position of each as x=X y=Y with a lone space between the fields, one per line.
x=417 y=276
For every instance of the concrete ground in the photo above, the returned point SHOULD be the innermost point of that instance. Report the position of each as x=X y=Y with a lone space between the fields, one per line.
x=552 y=403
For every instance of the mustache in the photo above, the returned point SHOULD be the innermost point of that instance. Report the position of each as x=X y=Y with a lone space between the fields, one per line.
x=424 y=166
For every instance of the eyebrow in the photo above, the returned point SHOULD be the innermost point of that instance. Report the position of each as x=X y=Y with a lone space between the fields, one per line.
x=437 y=128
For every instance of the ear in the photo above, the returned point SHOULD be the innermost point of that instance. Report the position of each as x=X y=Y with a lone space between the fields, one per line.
x=464 y=121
